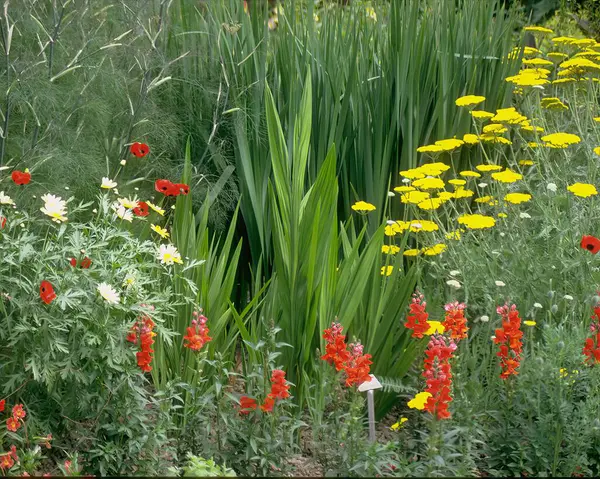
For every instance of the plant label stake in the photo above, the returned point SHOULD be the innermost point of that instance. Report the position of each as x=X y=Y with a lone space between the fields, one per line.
x=370 y=386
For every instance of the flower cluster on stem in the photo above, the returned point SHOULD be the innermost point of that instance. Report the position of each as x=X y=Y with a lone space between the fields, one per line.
x=509 y=338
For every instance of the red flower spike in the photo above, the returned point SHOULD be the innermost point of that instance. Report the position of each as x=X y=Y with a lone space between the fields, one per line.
x=591 y=243
x=509 y=339
x=2 y=405
x=417 y=318
x=591 y=348
x=438 y=374
x=267 y=406
x=2 y=222
x=247 y=404
x=279 y=387
x=455 y=322
x=85 y=263
x=47 y=293
x=18 y=412
x=139 y=149
x=197 y=334
x=21 y=177
x=142 y=209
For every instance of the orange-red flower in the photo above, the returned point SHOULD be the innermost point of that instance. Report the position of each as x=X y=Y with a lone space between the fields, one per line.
x=47 y=293
x=267 y=406
x=591 y=243
x=2 y=222
x=6 y=461
x=336 y=351
x=455 y=322
x=279 y=387
x=141 y=209
x=591 y=348
x=12 y=424
x=142 y=331
x=247 y=404
x=509 y=339
x=438 y=374
x=21 y=177
x=358 y=367
x=139 y=149
x=197 y=334
x=2 y=404
x=417 y=317
x=18 y=412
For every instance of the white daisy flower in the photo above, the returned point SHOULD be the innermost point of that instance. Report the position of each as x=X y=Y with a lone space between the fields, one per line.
x=128 y=203
x=122 y=212
x=5 y=199
x=107 y=183
x=168 y=254
x=54 y=207
x=108 y=293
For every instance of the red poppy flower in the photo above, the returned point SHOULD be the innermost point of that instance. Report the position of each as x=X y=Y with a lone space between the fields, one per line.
x=182 y=188
x=85 y=263
x=21 y=177
x=142 y=209
x=47 y=293
x=2 y=222
x=2 y=405
x=591 y=243
x=73 y=262
x=139 y=149
x=165 y=187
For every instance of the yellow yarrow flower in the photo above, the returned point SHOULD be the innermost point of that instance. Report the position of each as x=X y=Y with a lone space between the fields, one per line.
x=431 y=203
x=496 y=128
x=434 y=250
x=404 y=189
x=441 y=146
x=560 y=140
x=476 y=221
x=363 y=207
x=597 y=150
x=529 y=323
x=391 y=249
x=507 y=176
x=429 y=184
x=414 y=197
x=509 y=115
x=537 y=29
x=427 y=226
x=469 y=100
x=537 y=62
x=468 y=173
x=457 y=182
x=453 y=235
x=526 y=163
x=502 y=215
x=470 y=139
x=517 y=198
x=584 y=190
x=486 y=168
x=463 y=193
x=481 y=114
x=492 y=138
x=557 y=56
x=411 y=252
x=484 y=199
x=412 y=174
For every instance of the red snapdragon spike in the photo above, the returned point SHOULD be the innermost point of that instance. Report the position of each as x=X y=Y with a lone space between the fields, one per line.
x=2 y=405
x=591 y=243
x=47 y=293
x=21 y=177
x=139 y=149
x=455 y=322
x=142 y=209
x=73 y=262
x=2 y=222
x=85 y=263
x=509 y=339
x=247 y=404
x=417 y=318
x=267 y=406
